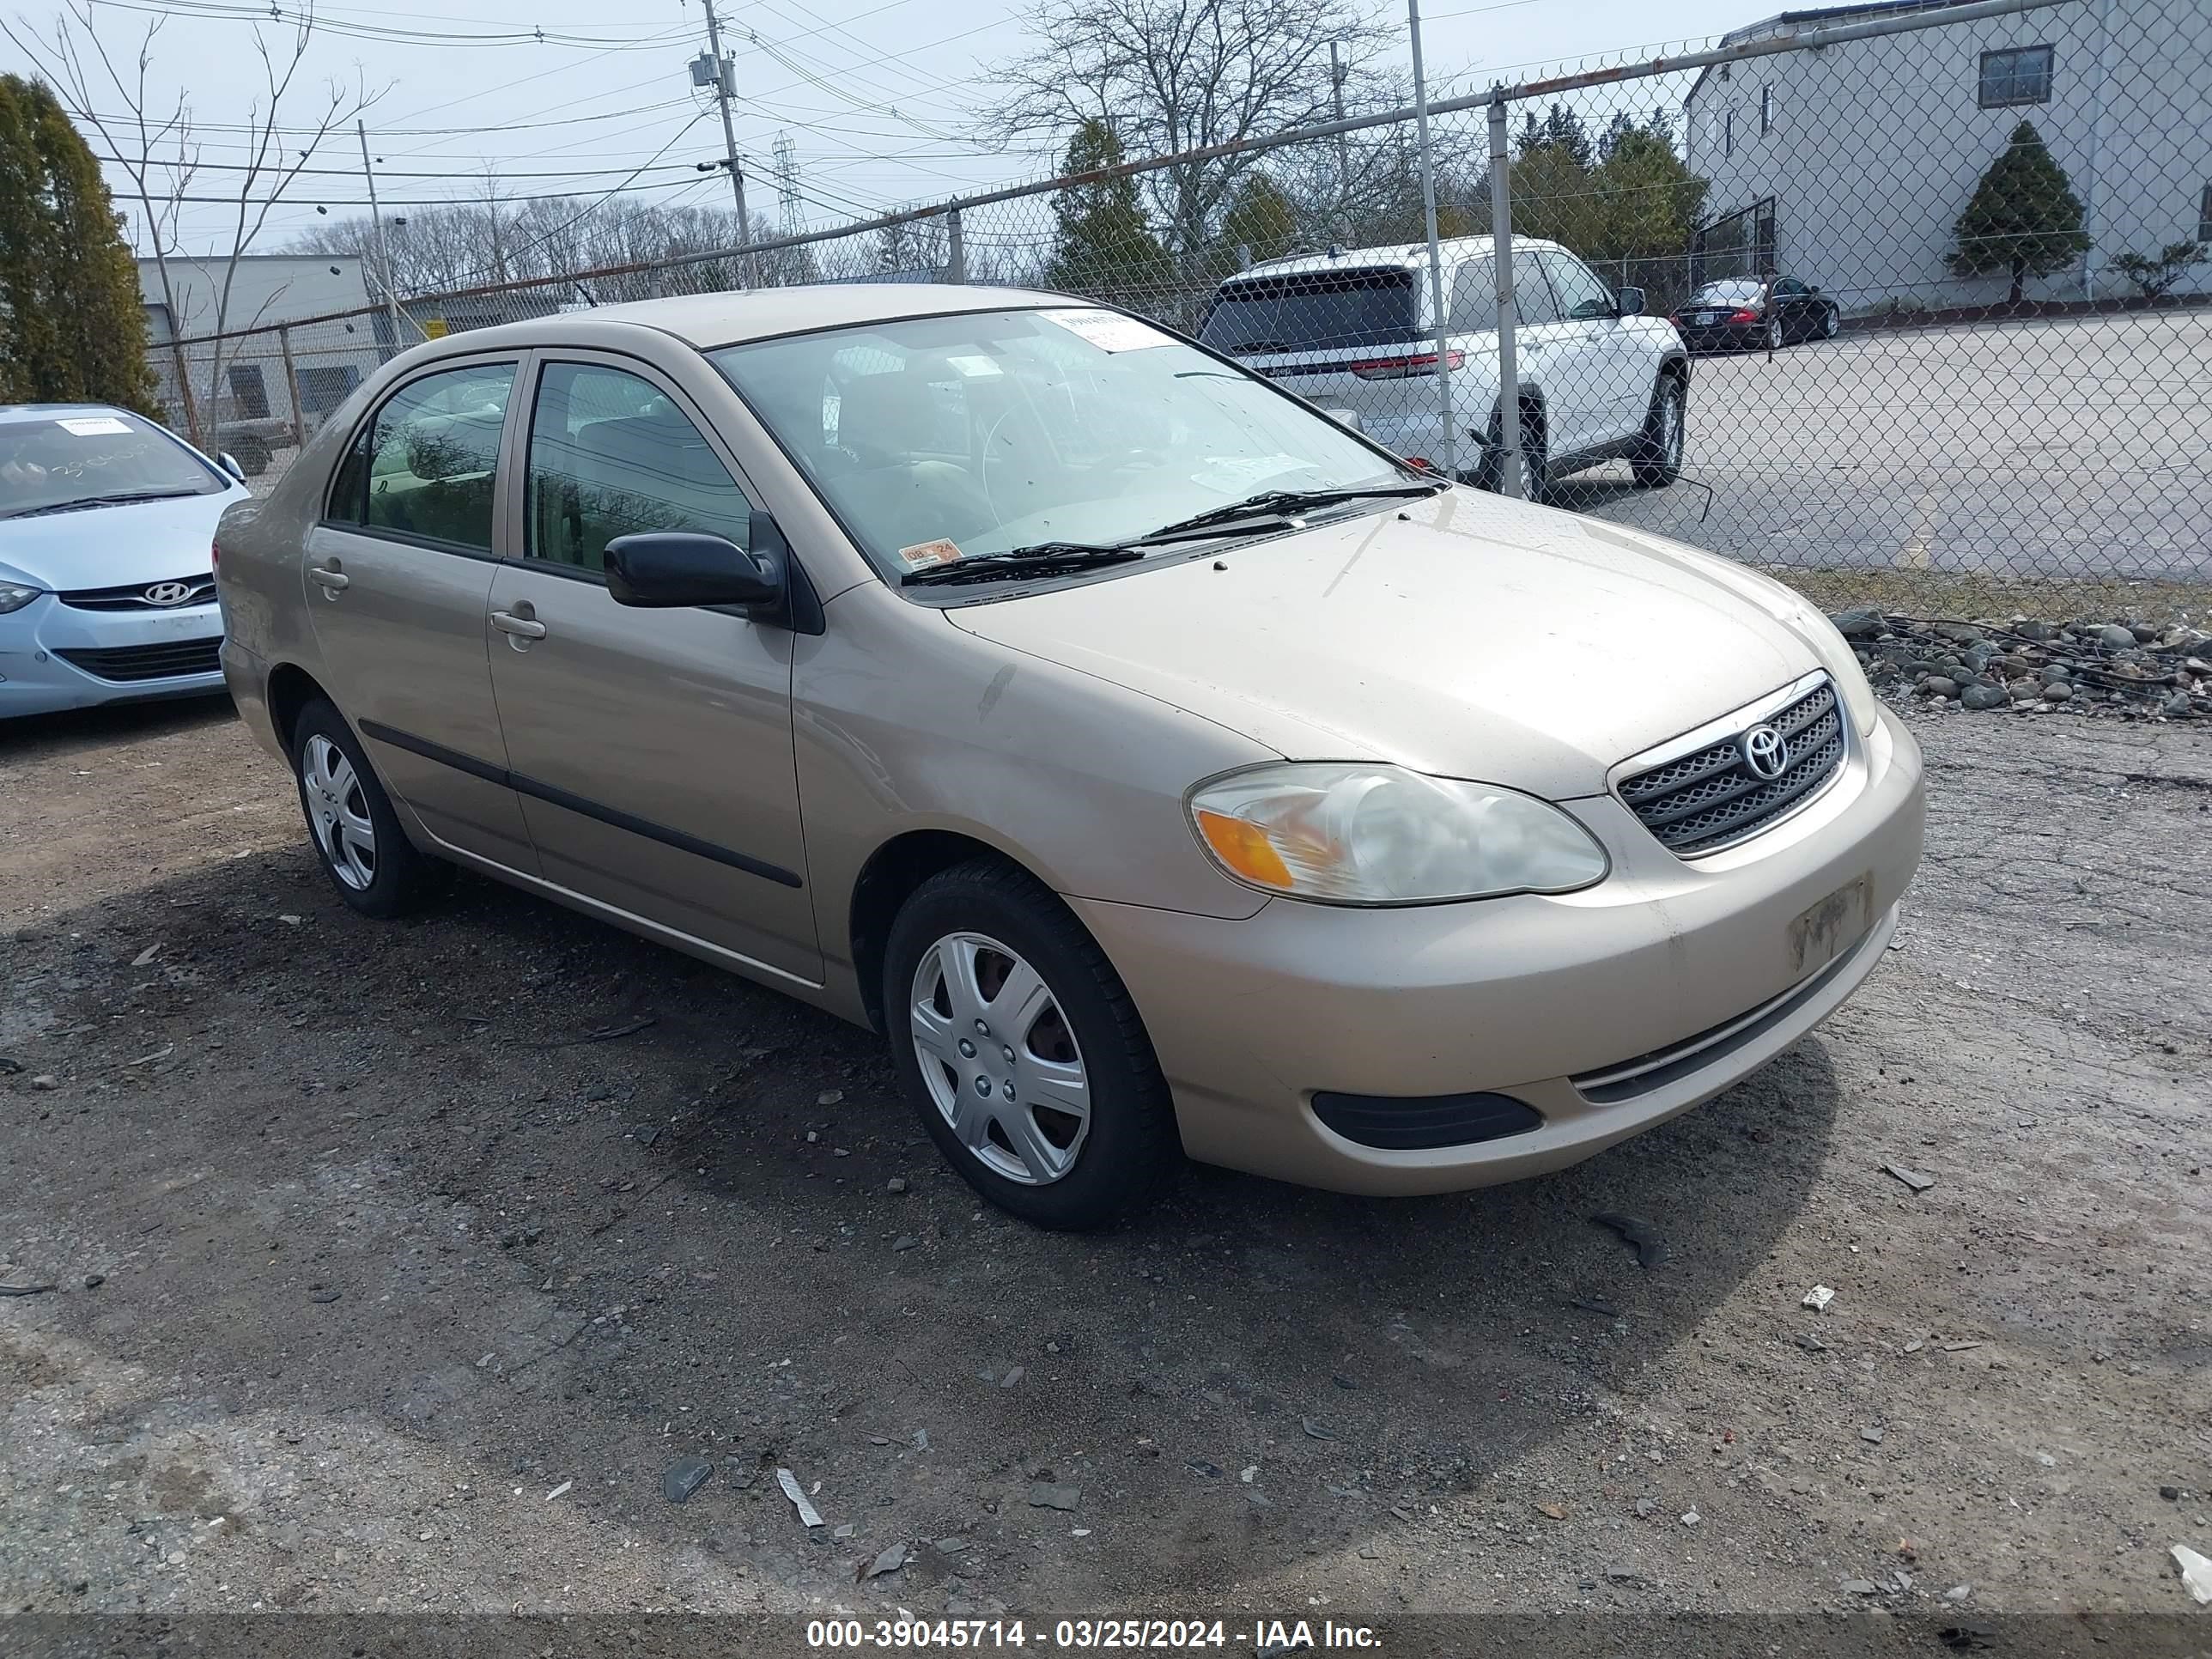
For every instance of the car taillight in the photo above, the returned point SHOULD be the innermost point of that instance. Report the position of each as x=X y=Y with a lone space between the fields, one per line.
x=215 y=554
x=1746 y=315
x=1399 y=368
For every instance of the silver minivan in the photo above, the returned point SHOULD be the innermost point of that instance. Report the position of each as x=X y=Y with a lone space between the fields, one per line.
x=1164 y=768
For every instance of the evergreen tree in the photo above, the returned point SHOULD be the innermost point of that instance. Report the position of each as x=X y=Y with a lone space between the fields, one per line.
x=1102 y=245
x=72 y=325
x=1649 y=202
x=1261 y=223
x=2023 y=218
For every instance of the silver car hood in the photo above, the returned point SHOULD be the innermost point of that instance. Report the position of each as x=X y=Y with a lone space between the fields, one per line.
x=1469 y=636
x=109 y=546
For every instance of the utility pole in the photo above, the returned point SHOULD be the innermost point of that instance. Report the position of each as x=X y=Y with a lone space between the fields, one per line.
x=383 y=250
x=1343 y=148
x=1447 y=463
x=725 y=72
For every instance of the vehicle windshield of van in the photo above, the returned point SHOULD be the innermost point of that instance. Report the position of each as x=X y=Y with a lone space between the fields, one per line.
x=1318 y=311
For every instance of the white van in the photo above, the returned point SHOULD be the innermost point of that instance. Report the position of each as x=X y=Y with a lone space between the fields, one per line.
x=1354 y=332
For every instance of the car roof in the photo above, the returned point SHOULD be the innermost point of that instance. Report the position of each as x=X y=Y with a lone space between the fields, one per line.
x=49 y=411
x=1411 y=255
x=711 y=320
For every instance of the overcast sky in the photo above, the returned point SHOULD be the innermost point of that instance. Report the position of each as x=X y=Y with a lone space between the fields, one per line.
x=871 y=92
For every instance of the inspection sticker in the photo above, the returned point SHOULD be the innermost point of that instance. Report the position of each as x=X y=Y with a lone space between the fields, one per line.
x=1108 y=329
x=922 y=555
x=94 y=426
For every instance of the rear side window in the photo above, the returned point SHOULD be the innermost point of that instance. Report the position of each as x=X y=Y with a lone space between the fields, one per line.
x=1475 y=296
x=1318 y=311
x=426 y=465
x=609 y=455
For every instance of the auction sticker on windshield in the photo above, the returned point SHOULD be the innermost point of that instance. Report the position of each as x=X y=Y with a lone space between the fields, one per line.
x=94 y=426
x=1109 y=330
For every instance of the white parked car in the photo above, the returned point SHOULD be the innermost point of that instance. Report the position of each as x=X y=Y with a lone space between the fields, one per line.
x=1354 y=332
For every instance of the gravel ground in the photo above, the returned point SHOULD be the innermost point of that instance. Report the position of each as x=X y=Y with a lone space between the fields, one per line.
x=395 y=1265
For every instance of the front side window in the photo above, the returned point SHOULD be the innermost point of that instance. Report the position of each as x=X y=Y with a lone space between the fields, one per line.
x=76 y=458
x=1582 y=296
x=2015 y=77
x=1534 y=301
x=611 y=455
x=938 y=438
x=426 y=464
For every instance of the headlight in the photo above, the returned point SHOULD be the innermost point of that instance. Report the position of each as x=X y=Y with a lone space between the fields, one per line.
x=1349 y=833
x=1843 y=665
x=14 y=596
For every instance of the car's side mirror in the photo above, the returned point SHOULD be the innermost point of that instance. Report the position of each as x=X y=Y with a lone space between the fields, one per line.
x=229 y=463
x=661 y=569
x=1631 y=302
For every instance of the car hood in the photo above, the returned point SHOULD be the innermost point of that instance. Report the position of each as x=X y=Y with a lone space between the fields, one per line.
x=1469 y=636
x=109 y=546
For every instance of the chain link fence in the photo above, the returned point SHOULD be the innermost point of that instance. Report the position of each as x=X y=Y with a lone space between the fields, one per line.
x=1909 y=301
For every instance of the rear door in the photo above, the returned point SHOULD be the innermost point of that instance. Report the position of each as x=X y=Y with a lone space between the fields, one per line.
x=652 y=748
x=395 y=576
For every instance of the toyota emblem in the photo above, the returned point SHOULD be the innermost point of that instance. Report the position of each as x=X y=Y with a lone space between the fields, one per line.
x=168 y=593
x=1764 y=752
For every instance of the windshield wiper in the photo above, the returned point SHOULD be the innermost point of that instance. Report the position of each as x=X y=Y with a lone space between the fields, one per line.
x=1283 y=502
x=101 y=501
x=1038 y=559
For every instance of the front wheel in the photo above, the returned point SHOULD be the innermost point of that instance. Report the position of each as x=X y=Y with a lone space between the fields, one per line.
x=1023 y=1051
x=1657 y=461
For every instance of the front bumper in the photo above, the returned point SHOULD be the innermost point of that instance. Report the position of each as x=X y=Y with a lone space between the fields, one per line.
x=43 y=645
x=1679 y=971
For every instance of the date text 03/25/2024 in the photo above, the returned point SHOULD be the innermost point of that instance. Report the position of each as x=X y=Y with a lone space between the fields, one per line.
x=1265 y=1636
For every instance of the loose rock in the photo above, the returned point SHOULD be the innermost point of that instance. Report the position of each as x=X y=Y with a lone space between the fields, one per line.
x=1044 y=1495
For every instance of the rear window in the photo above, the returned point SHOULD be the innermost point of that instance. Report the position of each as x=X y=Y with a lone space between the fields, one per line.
x=1312 y=312
x=1734 y=291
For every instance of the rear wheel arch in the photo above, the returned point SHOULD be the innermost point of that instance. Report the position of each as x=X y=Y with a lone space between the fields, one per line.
x=291 y=688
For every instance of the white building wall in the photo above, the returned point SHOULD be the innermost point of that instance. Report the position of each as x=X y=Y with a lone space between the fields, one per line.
x=267 y=290
x=1873 y=146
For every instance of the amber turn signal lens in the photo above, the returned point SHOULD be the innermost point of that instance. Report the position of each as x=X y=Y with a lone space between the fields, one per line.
x=1244 y=847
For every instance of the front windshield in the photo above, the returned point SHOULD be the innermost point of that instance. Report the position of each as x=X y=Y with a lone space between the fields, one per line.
x=942 y=438
x=73 y=456
x=1734 y=291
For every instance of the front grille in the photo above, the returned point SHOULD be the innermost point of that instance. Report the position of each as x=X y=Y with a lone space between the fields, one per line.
x=125 y=663
x=131 y=596
x=1711 y=799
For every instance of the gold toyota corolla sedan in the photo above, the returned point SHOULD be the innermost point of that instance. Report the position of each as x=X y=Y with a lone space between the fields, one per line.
x=1163 y=767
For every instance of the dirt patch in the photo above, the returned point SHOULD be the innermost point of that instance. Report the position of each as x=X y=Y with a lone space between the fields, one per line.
x=381 y=1275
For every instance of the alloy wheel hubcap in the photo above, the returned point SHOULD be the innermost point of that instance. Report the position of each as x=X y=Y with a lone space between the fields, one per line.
x=999 y=1059
x=337 y=812
x=1670 y=427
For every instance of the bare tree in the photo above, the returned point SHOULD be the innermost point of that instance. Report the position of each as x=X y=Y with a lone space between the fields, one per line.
x=152 y=141
x=1168 y=76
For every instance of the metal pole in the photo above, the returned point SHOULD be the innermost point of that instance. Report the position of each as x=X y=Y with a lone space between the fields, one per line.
x=383 y=252
x=1448 y=461
x=1343 y=150
x=292 y=386
x=730 y=146
x=2090 y=204
x=1501 y=242
x=955 y=249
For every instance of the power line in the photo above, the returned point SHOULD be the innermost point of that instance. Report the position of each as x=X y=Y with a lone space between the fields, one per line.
x=259 y=14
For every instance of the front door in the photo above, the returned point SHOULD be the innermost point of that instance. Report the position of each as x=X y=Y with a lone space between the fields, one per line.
x=1601 y=389
x=652 y=749
x=396 y=575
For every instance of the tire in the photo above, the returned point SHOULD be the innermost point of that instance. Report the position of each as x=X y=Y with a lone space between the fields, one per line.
x=1776 y=336
x=967 y=937
x=1657 y=461
x=1535 y=463
x=1831 y=323
x=356 y=834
